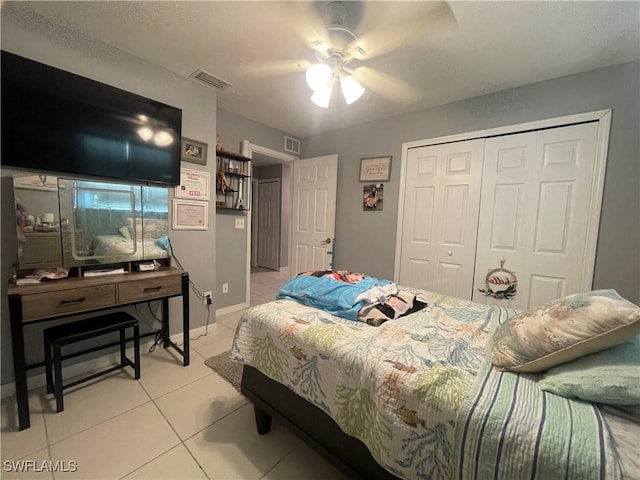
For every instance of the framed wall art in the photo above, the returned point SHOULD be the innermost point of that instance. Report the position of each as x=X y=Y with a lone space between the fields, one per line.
x=193 y=151
x=188 y=215
x=373 y=197
x=375 y=169
x=194 y=184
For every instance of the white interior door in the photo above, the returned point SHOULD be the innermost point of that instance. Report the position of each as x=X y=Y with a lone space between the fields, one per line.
x=535 y=208
x=440 y=218
x=314 y=212
x=268 y=238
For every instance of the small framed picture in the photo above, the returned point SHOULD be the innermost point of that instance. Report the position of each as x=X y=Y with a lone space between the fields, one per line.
x=193 y=151
x=190 y=215
x=373 y=197
x=375 y=169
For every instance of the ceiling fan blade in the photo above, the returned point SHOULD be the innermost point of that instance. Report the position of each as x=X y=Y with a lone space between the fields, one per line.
x=386 y=85
x=416 y=22
x=310 y=25
x=270 y=68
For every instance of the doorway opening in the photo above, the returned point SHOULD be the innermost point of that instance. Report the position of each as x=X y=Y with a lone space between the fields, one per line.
x=270 y=212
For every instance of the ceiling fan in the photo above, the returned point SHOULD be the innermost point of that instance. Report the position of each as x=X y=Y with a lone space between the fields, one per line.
x=340 y=53
x=333 y=54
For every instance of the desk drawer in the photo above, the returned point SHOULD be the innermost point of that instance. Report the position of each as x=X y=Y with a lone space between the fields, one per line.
x=149 y=288
x=50 y=304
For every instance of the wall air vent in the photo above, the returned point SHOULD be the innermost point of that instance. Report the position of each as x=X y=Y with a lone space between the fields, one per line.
x=291 y=145
x=210 y=79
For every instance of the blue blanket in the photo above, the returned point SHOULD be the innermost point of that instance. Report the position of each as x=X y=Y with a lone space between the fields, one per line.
x=328 y=294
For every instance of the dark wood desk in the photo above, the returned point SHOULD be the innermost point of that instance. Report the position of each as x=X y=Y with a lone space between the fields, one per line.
x=30 y=304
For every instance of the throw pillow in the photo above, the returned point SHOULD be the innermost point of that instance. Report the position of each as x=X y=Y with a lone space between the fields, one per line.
x=163 y=242
x=611 y=376
x=563 y=330
x=124 y=231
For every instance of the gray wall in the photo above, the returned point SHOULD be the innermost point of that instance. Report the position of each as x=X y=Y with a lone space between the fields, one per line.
x=234 y=129
x=231 y=246
x=618 y=253
x=87 y=57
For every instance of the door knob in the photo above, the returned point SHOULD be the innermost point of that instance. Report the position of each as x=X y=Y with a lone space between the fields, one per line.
x=326 y=242
x=450 y=253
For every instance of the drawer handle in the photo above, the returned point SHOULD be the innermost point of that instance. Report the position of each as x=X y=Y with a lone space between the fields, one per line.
x=69 y=302
x=151 y=289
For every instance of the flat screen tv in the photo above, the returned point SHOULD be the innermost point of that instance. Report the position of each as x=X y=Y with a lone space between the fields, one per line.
x=53 y=120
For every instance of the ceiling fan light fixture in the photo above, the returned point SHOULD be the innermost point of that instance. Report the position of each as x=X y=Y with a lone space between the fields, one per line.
x=322 y=96
x=351 y=89
x=145 y=133
x=318 y=75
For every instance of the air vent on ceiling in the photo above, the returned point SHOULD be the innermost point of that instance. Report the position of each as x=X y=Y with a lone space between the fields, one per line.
x=291 y=145
x=210 y=79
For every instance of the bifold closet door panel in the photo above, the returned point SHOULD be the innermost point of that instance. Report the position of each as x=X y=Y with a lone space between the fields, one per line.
x=440 y=219
x=534 y=211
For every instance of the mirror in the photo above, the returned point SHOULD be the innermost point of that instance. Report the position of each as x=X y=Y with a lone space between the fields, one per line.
x=71 y=222
x=37 y=220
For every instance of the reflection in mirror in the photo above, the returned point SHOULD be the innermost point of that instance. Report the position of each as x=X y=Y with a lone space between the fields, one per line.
x=37 y=221
x=72 y=222
x=113 y=222
x=98 y=213
x=155 y=223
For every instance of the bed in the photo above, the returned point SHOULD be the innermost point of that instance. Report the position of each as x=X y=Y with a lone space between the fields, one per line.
x=138 y=240
x=110 y=246
x=418 y=397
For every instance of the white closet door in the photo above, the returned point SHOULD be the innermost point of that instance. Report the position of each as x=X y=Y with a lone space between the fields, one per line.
x=535 y=207
x=440 y=218
x=269 y=224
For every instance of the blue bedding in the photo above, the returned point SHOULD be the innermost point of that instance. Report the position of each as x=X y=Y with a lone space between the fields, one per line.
x=334 y=296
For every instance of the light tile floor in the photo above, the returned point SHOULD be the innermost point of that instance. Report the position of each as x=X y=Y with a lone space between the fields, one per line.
x=174 y=423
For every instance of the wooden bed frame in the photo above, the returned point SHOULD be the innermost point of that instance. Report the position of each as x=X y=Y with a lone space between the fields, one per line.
x=273 y=400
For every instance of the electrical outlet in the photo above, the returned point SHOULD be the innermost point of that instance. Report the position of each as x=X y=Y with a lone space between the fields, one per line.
x=225 y=288
x=208 y=298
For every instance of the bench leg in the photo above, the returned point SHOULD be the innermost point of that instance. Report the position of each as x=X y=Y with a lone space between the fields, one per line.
x=47 y=365
x=136 y=350
x=123 y=347
x=57 y=366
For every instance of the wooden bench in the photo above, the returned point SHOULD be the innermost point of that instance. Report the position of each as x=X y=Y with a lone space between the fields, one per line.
x=68 y=333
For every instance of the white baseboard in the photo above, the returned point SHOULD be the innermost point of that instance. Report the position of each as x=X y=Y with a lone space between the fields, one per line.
x=178 y=338
x=284 y=269
x=231 y=309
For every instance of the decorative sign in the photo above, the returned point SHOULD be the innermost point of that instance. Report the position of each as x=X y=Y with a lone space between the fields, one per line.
x=500 y=282
x=376 y=169
x=372 y=197
x=190 y=215
x=194 y=184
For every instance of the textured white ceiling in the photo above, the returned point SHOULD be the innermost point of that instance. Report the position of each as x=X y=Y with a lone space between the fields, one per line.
x=257 y=46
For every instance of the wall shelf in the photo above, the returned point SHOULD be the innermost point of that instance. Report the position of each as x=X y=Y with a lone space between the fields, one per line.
x=233 y=181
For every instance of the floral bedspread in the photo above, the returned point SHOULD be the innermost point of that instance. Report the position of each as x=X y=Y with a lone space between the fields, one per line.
x=397 y=387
